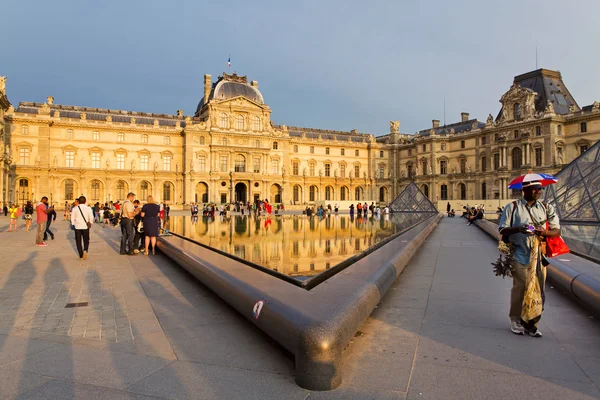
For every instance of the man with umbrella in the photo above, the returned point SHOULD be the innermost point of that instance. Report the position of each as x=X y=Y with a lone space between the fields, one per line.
x=524 y=223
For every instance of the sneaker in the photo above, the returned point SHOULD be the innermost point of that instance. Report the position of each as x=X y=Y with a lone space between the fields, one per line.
x=535 y=333
x=42 y=244
x=516 y=328
x=84 y=255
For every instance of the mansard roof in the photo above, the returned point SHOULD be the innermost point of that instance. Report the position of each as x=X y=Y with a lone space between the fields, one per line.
x=457 y=127
x=100 y=114
x=327 y=134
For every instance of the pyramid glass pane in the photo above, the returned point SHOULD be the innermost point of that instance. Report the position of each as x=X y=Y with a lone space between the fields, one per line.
x=411 y=199
x=576 y=197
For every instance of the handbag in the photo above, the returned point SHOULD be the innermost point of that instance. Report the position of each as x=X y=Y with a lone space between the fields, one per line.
x=555 y=246
x=89 y=224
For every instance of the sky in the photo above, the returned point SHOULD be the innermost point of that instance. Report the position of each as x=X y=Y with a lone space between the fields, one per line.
x=329 y=64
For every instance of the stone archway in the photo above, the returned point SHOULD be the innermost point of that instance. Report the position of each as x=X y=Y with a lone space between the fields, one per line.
x=241 y=192
x=201 y=192
x=275 y=193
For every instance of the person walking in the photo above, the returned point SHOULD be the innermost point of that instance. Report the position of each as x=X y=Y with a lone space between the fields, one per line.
x=51 y=217
x=81 y=219
x=42 y=211
x=128 y=234
x=28 y=210
x=150 y=222
x=138 y=227
x=514 y=223
x=13 y=211
x=5 y=210
x=448 y=208
x=67 y=214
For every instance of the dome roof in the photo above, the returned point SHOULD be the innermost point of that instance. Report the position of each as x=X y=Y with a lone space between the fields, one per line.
x=230 y=86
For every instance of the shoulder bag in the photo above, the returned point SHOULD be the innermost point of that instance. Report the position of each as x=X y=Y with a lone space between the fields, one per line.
x=89 y=224
x=555 y=246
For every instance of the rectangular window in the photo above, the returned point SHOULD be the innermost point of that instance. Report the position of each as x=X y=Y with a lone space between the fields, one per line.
x=121 y=161
x=167 y=140
x=144 y=138
x=327 y=169
x=69 y=159
x=166 y=163
x=342 y=152
x=496 y=161
x=356 y=153
x=463 y=165
x=275 y=167
x=483 y=164
x=144 y=161
x=462 y=144
x=95 y=160
x=424 y=165
x=443 y=146
x=69 y=133
x=327 y=150
x=357 y=171
x=483 y=140
x=381 y=154
x=410 y=152
x=424 y=147
x=311 y=169
x=96 y=135
x=382 y=172
x=25 y=130
x=24 y=156
x=256 y=166
x=295 y=168
x=223 y=164
x=538 y=156
x=120 y=137
x=583 y=148
x=443 y=167
x=202 y=163
x=312 y=149
x=343 y=170
x=496 y=137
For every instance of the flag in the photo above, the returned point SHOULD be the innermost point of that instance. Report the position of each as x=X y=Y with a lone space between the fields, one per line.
x=229 y=62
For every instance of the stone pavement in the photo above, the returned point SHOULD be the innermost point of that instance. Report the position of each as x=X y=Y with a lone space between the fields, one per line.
x=150 y=331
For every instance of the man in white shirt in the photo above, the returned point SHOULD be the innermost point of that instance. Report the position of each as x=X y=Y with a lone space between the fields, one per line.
x=81 y=219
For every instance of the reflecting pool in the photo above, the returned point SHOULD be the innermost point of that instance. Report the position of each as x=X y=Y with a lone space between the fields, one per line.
x=293 y=245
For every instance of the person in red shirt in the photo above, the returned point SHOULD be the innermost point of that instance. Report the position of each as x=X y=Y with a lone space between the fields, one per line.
x=42 y=219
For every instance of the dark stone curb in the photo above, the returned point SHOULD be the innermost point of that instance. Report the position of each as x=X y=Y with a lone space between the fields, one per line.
x=314 y=325
x=582 y=286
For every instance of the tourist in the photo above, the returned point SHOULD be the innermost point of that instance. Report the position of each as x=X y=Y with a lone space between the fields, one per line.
x=139 y=238
x=5 y=210
x=451 y=214
x=117 y=208
x=81 y=217
x=359 y=209
x=365 y=209
x=42 y=220
x=336 y=208
x=516 y=218
x=51 y=217
x=386 y=210
x=97 y=212
x=150 y=212
x=28 y=209
x=107 y=214
x=67 y=214
x=127 y=215
x=167 y=210
x=351 y=210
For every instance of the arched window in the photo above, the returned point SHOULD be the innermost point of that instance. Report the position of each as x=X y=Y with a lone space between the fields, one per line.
x=425 y=189
x=224 y=141
x=223 y=121
x=296 y=193
x=95 y=195
x=583 y=127
x=444 y=192
x=23 y=194
x=382 y=193
x=201 y=140
x=358 y=193
x=312 y=193
x=239 y=122
x=275 y=145
x=256 y=124
x=69 y=189
x=328 y=193
x=517 y=111
x=144 y=188
x=343 y=193
x=120 y=190
x=462 y=191
x=167 y=192
x=517 y=158
x=484 y=191
x=240 y=163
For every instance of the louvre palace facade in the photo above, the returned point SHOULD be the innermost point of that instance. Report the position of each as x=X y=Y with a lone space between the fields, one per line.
x=230 y=150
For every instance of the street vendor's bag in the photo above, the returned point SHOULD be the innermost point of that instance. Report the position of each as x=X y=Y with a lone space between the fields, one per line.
x=555 y=246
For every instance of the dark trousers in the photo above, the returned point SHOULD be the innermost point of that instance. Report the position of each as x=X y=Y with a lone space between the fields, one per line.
x=48 y=231
x=139 y=240
x=82 y=240
x=128 y=235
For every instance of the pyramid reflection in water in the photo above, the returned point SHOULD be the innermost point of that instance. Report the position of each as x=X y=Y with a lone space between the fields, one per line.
x=412 y=199
x=576 y=198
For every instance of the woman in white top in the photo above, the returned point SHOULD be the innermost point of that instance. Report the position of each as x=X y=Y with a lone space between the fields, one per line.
x=81 y=219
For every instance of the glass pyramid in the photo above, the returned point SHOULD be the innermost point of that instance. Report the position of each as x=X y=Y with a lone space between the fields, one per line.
x=576 y=198
x=412 y=200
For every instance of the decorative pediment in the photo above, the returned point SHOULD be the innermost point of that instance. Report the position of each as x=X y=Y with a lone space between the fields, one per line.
x=240 y=101
x=96 y=149
x=520 y=100
x=69 y=148
x=166 y=153
x=120 y=151
x=143 y=152
x=24 y=145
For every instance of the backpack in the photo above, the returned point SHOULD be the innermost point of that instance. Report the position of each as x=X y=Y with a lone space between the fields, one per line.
x=506 y=238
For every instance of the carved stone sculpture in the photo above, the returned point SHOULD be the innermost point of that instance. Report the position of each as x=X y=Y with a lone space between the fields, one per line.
x=469 y=168
x=83 y=116
x=132 y=120
x=394 y=126
x=490 y=120
x=549 y=108
x=155 y=166
x=596 y=106
x=2 y=85
x=108 y=118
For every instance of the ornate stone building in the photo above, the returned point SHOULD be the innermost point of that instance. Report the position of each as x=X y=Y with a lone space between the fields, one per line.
x=230 y=150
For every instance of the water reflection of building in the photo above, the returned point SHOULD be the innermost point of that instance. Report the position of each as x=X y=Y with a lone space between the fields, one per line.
x=230 y=150
x=292 y=245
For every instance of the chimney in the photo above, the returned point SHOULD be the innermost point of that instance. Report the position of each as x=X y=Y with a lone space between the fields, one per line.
x=50 y=100
x=464 y=116
x=180 y=113
x=206 y=87
x=436 y=123
x=254 y=84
